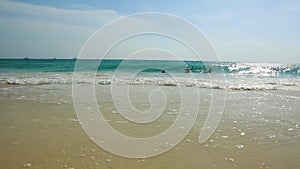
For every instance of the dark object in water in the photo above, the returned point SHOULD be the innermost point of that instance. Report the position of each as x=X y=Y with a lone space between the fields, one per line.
x=163 y=71
x=209 y=70
x=188 y=70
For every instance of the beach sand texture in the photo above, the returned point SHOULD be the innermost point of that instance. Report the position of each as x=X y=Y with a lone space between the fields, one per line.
x=39 y=129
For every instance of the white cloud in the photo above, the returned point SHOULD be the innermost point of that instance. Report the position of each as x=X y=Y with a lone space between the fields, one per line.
x=66 y=16
x=40 y=29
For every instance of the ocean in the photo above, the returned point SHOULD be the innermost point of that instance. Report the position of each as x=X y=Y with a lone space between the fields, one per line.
x=239 y=76
x=259 y=127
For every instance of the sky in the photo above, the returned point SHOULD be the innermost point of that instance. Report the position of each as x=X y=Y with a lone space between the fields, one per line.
x=240 y=30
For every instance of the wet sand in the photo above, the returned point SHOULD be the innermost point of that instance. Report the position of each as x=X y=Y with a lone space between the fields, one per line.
x=39 y=129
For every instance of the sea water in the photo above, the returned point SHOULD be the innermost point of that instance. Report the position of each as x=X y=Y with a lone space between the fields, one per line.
x=239 y=76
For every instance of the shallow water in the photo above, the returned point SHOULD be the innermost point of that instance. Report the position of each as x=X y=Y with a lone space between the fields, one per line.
x=39 y=129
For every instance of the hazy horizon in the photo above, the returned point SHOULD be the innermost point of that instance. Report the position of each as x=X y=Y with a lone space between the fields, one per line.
x=69 y=58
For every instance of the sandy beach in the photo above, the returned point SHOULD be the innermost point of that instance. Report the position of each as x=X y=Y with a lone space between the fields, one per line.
x=258 y=130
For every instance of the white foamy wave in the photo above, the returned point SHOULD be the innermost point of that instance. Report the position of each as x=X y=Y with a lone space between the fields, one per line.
x=210 y=82
x=263 y=69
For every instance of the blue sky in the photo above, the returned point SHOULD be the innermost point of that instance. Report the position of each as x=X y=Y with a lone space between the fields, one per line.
x=241 y=30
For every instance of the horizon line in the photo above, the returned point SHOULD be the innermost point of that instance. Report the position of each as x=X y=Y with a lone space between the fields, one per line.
x=75 y=58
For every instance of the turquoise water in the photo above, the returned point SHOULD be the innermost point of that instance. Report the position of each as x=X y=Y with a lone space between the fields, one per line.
x=153 y=66
x=239 y=76
x=67 y=65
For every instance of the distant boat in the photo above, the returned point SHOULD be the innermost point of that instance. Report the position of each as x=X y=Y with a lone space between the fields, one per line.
x=74 y=58
x=26 y=58
x=54 y=58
